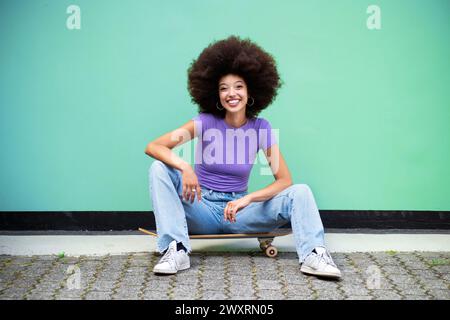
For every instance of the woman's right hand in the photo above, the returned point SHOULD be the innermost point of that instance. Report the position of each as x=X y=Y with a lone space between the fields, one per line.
x=190 y=184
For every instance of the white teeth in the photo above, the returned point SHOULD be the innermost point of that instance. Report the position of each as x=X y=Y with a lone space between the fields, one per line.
x=233 y=101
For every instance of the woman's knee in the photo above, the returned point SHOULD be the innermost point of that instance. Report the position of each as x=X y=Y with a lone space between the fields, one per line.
x=300 y=190
x=156 y=168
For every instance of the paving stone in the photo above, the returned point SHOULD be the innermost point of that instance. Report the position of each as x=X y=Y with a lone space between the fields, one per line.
x=192 y=271
x=406 y=280
x=298 y=287
x=324 y=284
x=184 y=297
x=161 y=278
x=291 y=269
x=241 y=263
x=298 y=297
x=226 y=275
x=241 y=278
x=385 y=295
x=270 y=295
x=359 y=298
x=384 y=284
x=445 y=277
x=445 y=269
x=215 y=258
x=132 y=281
x=409 y=255
x=288 y=264
x=69 y=295
x=213 y=275
x=394 y=270
x=355 y=291
x=135 y=270
x=192 y=280
x=329 y=295
x=98 y=295
x=295 y=279
x=243 y=290
x=64 y=286
x=157 y=286
x=387 y=262
x=355 y=280
x=417 y=265
x=239 y=271
x=262 y=260
x=27 y=284
x=102 y=285
x=235 y=286
x=215 y=263
x=115 y=265
x=405 y=286
x=126 y=295
x=215 y=287
x=14 y=291
x=351 y=271
x=108 y=276
x=440 y=294
x=155 y=295
x=40 y=295
x=415 y=297
x=267 y=276
x=213 y=295
x=381 y=255
x=269 y=284
x=45 y=285
x=414 y=291
x=243 y=298
x=140 y=262
x=184 y=289
x=426 y=255
x=427 y=275
x=8 y=276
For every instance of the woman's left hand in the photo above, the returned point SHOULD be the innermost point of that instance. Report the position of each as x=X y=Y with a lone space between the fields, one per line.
x=234 y=206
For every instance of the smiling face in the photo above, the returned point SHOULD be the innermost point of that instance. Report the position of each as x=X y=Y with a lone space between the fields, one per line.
x=233 y=93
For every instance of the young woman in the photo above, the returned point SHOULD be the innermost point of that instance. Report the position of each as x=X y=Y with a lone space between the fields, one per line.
x=231 y=81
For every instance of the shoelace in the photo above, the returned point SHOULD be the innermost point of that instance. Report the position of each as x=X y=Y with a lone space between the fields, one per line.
x=327 y=258
x=167 y=256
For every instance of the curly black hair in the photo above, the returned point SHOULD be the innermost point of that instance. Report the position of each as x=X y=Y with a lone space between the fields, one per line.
x=237 y=56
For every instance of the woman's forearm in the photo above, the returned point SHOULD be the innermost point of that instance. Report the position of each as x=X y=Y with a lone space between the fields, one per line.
x=270 y=191
x=166 y=155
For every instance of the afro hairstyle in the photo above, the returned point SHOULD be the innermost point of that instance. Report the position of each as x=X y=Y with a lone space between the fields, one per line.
x=237 y=56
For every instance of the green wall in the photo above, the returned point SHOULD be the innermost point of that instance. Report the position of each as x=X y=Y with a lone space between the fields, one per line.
x=364 y=115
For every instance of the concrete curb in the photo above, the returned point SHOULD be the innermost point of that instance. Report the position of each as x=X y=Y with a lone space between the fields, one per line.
x=76 y=245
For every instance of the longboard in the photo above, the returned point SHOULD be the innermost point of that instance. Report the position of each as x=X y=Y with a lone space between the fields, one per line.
x=265 y=239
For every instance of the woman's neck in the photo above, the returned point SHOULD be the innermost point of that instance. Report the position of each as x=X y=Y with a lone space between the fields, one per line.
x=235 y=119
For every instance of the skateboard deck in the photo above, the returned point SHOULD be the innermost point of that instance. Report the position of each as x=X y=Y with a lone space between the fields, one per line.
x=265 y=238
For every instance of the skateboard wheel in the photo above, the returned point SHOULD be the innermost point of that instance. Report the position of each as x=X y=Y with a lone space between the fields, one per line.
x=271 y=251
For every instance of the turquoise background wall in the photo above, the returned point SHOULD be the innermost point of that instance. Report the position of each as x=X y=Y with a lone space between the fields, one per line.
x=364 y=115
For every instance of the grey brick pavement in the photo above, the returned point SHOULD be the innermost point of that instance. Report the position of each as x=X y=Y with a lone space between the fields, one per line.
x=229 y=276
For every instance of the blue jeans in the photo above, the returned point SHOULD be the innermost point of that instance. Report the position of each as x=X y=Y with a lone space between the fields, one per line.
x=176 y=218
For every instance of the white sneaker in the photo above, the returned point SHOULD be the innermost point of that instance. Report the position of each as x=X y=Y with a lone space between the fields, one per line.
x=320 y=263
x=173 y=260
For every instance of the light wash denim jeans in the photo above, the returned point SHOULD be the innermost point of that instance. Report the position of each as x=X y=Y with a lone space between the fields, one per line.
x=176 y=218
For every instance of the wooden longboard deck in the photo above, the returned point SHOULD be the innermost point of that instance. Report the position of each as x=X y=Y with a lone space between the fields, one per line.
x=277 y=233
